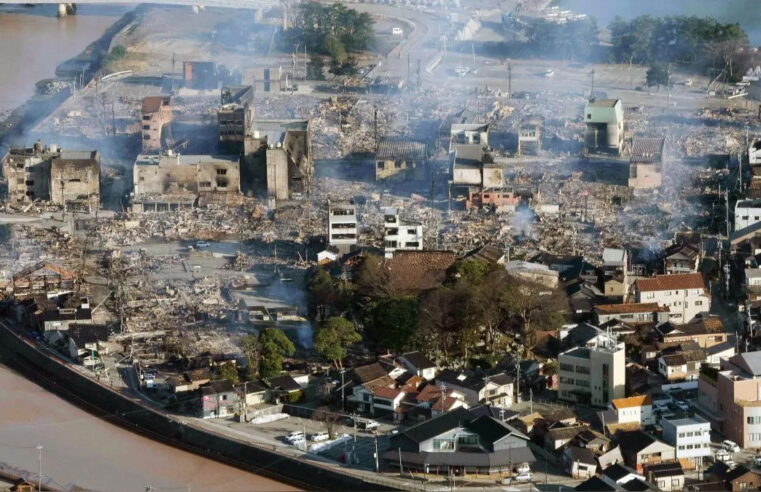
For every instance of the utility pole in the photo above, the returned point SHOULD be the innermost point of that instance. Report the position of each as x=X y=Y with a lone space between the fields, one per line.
x=343 y=400
x=39 y=468
x=377 y=465
x=592 y=90
x=509 y=80
x=668 y=84
x=518 y=381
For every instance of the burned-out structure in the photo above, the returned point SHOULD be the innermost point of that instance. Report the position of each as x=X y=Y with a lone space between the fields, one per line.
x=235 y=116
x=173 y=181
x=200 y=74
x=43 y=279
x=342 y=225
x=646 y=163
x=69 y=178
x=605 y=125
x=400 y=158
x=280 y=153
x=156 y=120
x=469 y=134
x=530 y=135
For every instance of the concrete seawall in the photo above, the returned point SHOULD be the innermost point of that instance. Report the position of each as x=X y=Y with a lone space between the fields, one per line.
x=116 y=408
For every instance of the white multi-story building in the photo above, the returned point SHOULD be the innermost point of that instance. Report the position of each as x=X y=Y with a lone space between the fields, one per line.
x=342 y=225
x=685 y=294
x=593 y=372
x=691 y=437
x=638 y=409
x=399 y=236
x=747 y=213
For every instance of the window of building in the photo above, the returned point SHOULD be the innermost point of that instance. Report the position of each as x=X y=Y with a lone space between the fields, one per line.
x=381 y=165
x=146 y=137
x=205 y=184
x=411 y=231
x=221 y=172
x=146 y=127
x=411 y=244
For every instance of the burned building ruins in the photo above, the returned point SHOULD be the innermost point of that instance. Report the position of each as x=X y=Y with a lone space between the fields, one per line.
x=235 y=116
x=157 y=118
x=399 y=158
x=172 y=181
x=646 y=163
x=69 y=178
x=605 y=125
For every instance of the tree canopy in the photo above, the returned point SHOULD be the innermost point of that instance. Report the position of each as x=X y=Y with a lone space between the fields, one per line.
x=333 y=337
x=392 y=323
x=703 y=42
x=275 y=346
x=574 y=40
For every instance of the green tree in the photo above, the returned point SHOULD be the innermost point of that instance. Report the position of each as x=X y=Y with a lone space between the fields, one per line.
x=657 y=75
x=333 y=337
x=275 y=346
x=393 y=322
x=230 y=372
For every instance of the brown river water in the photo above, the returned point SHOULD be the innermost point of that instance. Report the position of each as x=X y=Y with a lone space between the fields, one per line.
x=34 y=41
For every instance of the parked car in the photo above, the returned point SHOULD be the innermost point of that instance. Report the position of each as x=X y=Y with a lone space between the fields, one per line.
x=730 y=446
x=295 y=436
x=523 y=477
x=320 y=436
x=202 y=244
x=722 y=454
x=368 y=425
x=523 y=468
x=757 y=461
x=683 y=405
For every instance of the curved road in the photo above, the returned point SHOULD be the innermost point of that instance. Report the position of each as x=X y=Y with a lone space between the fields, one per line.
x=84 y=451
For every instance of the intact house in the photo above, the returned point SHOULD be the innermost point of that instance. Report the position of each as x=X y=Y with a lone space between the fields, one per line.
x=69 y=178
x=666 y=476
x=638 y=409
x=647 y=312
x=496 y=389
x=253 y=393
x=580 y=463
x=172 y=181
x=419 y=364
x=218 y=399
x=156 y=114
x=685 y=295
x=592 y=366
x=646 y=163
x=682 y=257
x=402 y=159
x=59 y=316
x=605 y=125
x=639 y=449
x=691 y=437
x=705 y=332
x=469 y=134
x=753 y=283
x=459 y=443
x=682 y=365
x=284 y=388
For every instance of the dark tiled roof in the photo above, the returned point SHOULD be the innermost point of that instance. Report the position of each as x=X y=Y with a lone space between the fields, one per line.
x=632 y=442
x=496 y=459
x=368 y=373
x=284 y=382
x=582 y=455
x=617 y=472
x=594 y=484
x=221 y=386
x=647 y=149
x=83 y=333
x=418 y=360
x=401 y=149
x=438 y=425
x=418 y=271
x=664 y=469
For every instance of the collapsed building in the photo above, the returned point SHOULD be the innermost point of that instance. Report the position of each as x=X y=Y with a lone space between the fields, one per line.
x=157 y=118
x=69 y=178
x=235 y=116
x=478 y=181
x=200 y=74
x=646 y=163
x=605 y=125
x=280 y=151
x=401 y=159
x=172 y=181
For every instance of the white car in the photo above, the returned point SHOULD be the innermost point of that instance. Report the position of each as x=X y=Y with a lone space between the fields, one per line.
x=295 y=436
x=730 y=446
x=757 y=460
x=320 y=436
x=202 y=244
x=523 y=477
x=523 y=468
